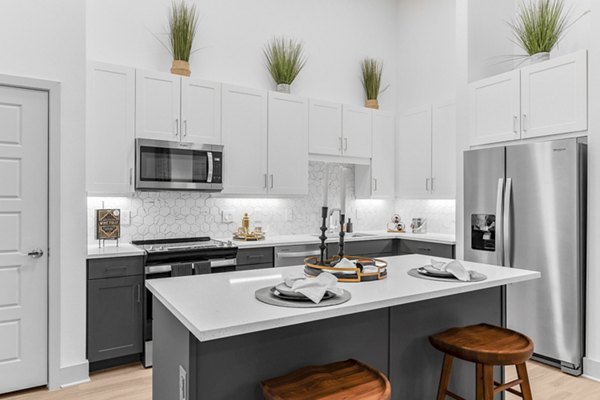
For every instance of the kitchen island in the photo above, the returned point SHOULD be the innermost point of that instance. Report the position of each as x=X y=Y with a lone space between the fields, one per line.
x=213 y=338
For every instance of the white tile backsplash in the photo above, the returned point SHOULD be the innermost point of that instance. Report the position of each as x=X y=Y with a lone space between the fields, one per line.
x=184 y=214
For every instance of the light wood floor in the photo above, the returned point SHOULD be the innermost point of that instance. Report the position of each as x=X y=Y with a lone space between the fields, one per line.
x=133 y=382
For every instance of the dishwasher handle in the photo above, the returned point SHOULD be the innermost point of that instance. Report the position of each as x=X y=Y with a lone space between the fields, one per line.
x=294 y=254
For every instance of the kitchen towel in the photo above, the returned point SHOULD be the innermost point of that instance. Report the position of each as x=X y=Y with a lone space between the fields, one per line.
x=181 y=270
x=454 y=267
x=313 y=288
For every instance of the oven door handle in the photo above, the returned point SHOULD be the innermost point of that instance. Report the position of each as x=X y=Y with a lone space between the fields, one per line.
x=222 y=263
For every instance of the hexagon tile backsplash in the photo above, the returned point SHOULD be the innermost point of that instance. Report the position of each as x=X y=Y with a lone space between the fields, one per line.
x=184 y=214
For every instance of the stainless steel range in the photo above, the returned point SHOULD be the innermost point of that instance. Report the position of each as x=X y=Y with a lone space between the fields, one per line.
x=168 y=258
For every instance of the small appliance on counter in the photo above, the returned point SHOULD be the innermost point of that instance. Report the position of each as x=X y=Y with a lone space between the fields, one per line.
x=396 y=225
x=245 y=233
x=419 y=225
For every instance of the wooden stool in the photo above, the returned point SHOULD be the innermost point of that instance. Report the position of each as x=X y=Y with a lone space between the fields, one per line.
x=487 y=346
x=345 y=380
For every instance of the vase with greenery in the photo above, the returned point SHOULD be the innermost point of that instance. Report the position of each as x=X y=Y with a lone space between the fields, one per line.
x=371 y=81
x=183 y=21
x=539 y=26
x=284 y=61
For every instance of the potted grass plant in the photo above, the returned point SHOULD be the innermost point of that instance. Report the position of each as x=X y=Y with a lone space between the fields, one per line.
x=284 y=61
x=371 y=81
x=183 y=21
x=539 y=26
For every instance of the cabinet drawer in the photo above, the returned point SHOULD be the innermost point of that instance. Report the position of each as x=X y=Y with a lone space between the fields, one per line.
x=370 y=248
x=426 y=248
x=255 y=256
x=249 y=267
x=115 y=267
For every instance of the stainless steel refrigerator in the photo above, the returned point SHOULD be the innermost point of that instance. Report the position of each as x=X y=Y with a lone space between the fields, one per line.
x=525 y=207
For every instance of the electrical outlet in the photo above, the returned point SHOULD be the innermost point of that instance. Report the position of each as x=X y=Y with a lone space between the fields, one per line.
x=227 y=216
x=125 y=217
x=289 y=214
x=183 y=387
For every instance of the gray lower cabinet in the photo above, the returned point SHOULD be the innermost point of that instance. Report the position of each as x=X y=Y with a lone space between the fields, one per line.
x=255 y=258
x=114 y=308
x=364 y=248
x=425 y=248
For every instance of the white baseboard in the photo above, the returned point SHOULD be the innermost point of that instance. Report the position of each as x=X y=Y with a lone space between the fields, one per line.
x=591 y=369
x=74 y=374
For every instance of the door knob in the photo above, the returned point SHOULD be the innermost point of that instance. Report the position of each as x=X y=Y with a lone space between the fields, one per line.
x=36 y=253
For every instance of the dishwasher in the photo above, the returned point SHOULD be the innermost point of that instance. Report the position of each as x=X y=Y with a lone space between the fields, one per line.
x=294 y=255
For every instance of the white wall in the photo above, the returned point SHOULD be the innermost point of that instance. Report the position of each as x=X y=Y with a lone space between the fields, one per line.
x=46 y=40
x=426 y=52
x=337 y=34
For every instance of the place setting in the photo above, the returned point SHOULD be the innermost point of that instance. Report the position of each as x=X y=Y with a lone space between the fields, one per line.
x=446 y=271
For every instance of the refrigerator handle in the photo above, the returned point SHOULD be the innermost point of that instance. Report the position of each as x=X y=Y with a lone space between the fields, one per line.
x=499 y=223
x=506 y=223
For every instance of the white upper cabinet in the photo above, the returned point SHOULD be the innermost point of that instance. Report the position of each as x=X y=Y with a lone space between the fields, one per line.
x=377 y=180
x=110 y=129
x=244 y=134
x=443 y=150
x=157 y=108
x=542 y=99
x=288 y=144
x=413 y=173
x=495 y=109
x=554 y=96
x=356 y=128
x=200 y=111
x=325 y=128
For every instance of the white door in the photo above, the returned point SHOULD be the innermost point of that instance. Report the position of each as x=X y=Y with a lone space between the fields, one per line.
x=200 y=111
x=384 y=155
x=554 y=96
x=443 y=150
x=244 y=127
x=494 y=109
x=413 y=173
x=157 y=105
x=356 y=127
x=23 y=228
x=110 y=127
x=288 y=144
x=325 y=128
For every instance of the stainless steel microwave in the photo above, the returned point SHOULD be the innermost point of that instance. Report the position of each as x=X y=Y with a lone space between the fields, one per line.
x=166 y=165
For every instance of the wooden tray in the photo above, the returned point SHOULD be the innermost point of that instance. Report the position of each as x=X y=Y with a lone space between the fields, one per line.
x=252 y=236
x=395 y=231
x=312 y=267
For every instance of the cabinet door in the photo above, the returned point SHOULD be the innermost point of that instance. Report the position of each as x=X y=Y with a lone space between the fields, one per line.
x=413 y=168
x=325 y=128
x=110 y=129
x=157 y=105
x=384 y=155
x=288 y=144
x=494 y=109
x=200 y=111
x=115 y=318
x=554 y=96
x=443 y=150
x=356 y=128
x=244 y=132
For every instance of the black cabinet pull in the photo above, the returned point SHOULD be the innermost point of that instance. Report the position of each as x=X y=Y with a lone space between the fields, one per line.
x=424 y=249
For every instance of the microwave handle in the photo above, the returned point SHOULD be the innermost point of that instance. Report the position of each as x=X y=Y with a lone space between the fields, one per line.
x=210 y=167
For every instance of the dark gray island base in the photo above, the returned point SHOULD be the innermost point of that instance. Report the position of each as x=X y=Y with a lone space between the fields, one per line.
x=393 y=340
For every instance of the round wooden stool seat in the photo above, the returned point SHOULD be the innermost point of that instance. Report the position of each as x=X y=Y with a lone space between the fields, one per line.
x=484 y=344
x=345 y=380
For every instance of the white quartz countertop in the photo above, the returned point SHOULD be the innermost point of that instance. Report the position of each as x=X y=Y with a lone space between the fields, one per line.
x=223 y=305
x=112 y=250
x=288 y=240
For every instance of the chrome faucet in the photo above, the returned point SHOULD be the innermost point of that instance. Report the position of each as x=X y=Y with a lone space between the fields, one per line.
x=334 y=223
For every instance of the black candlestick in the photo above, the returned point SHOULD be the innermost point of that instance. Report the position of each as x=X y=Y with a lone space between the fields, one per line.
x=342 y=234
x=323 y=247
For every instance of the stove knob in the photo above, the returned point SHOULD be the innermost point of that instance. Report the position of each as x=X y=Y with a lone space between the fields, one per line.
x=229 y=243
